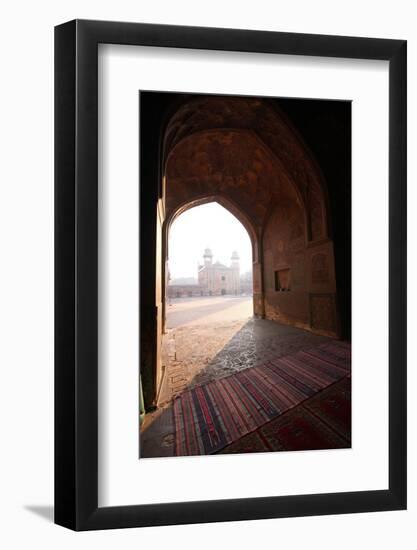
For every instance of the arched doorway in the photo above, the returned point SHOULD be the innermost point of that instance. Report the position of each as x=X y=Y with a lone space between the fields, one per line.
x=208 y=252
x=244 y=221
x=208 y=293
x=244 y=153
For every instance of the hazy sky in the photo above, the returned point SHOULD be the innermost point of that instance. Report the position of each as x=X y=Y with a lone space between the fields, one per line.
x=209 y=225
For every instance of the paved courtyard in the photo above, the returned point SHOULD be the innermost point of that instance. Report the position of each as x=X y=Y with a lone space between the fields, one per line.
x=207 y=339
x=197 y=330
x=183 y=312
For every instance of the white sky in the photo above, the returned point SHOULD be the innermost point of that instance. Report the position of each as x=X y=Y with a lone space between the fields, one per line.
x=209 y=225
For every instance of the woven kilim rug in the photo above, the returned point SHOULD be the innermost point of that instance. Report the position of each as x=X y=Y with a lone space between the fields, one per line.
x=321 y=422
x=209 y=417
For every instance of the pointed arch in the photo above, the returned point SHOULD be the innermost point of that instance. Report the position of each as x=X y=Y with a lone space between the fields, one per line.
x=233 y=209
x=229 y=205
x=208 y=114
x=244 y=154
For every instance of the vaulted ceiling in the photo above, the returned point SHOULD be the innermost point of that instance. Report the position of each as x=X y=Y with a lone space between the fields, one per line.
x=246 y=150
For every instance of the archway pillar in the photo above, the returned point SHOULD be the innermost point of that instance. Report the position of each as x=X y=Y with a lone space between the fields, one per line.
x=258 y=295
x=258 y=279
x=159 y=293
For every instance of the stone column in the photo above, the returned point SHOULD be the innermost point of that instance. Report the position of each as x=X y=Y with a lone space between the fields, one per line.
x=258 y=295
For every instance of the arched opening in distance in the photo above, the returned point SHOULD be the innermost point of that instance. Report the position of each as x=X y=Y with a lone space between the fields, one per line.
x=224 y=223
x=209 y=250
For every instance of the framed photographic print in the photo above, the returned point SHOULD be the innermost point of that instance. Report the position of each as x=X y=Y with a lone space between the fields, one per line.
x=230 y=248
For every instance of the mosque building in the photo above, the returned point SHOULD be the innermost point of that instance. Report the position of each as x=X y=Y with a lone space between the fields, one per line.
x=217 y=279
x=214 y=279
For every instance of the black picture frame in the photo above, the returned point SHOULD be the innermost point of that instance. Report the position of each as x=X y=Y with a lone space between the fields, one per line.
x=76 y=271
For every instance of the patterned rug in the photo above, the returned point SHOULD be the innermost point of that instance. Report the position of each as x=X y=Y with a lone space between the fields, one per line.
x=210 y=417
x=321 y=422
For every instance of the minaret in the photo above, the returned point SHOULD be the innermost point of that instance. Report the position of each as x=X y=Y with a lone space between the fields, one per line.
x=208 y=256
x=235 y=260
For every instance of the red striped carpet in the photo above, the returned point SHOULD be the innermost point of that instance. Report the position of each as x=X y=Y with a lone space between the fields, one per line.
x=209 y=417
x=321 y=422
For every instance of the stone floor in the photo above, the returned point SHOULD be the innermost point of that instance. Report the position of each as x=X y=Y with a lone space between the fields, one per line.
x=221 y=342
x=204 y=347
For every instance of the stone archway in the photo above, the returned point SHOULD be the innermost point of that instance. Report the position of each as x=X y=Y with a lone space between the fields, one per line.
x=245 y=154
x=273 y=133
x=231 y=207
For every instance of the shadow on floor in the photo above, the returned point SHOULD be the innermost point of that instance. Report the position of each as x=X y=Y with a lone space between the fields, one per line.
x=201 y=354
x=257 y=342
